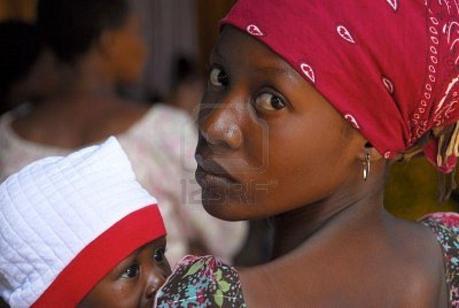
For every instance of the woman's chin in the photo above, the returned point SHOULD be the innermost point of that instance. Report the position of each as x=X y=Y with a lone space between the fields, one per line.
x=231 y=210
x=224 y=210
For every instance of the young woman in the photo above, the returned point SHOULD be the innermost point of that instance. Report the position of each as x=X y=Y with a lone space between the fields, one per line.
x=307 y=104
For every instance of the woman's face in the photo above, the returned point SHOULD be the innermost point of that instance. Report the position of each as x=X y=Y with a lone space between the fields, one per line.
x=134 y=281
x=268 y=142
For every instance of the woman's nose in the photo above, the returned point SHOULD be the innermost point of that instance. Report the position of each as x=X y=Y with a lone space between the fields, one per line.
x=220 y=126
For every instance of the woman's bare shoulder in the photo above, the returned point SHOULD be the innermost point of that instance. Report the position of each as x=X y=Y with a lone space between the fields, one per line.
x=402 y=268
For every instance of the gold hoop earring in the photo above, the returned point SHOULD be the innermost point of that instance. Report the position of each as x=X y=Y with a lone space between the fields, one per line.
x=366 y=166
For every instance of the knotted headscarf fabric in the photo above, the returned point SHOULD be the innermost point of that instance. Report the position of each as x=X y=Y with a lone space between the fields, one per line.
x=390 y=67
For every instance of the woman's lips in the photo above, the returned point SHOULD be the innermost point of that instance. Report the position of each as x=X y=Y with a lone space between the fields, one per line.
x=211 y=173
x=206 y=179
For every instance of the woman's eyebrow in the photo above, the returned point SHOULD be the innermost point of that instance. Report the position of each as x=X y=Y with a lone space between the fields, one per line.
x=276 y=71
x=272 y=70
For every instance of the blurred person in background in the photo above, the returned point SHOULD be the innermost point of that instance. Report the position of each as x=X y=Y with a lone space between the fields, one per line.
x=97 y=45
x=26 y=68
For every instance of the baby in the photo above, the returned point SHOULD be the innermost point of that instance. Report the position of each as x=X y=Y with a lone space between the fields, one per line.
x=80 y=231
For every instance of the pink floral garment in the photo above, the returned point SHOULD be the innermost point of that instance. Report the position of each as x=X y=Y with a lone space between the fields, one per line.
x=446 y=228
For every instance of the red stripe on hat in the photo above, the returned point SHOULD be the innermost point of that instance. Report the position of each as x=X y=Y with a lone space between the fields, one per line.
x=99 y=257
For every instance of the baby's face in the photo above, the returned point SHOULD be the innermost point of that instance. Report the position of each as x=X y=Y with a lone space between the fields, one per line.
x=134 y=281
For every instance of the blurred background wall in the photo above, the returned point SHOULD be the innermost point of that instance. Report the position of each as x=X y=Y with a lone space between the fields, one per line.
x=22 y=9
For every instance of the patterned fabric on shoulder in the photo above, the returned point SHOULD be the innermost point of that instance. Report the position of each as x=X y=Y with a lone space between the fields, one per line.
x=201 y=282
x=446 y=228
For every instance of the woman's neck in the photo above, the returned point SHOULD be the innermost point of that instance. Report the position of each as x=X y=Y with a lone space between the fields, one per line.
x=293 y=228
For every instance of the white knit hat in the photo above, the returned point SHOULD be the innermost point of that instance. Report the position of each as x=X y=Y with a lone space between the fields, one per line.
x=65 y=222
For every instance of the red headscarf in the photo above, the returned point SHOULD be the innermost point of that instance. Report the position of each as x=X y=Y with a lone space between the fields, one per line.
x=390 y=67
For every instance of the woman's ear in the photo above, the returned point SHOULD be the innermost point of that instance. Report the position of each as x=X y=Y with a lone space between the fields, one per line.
x=370 y=158
x=369 y=152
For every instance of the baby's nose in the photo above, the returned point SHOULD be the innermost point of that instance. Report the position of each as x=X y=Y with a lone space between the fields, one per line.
x=155 y=279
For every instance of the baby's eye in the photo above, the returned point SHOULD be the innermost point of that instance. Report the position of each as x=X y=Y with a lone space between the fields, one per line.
x=218 y=77
x=159 y=255
x=131 y=272
x=269 y=102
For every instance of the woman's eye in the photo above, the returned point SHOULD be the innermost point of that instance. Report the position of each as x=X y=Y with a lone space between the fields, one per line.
x=218 y=77
x=131 y=272
x=269 y=102
x=159 y=255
